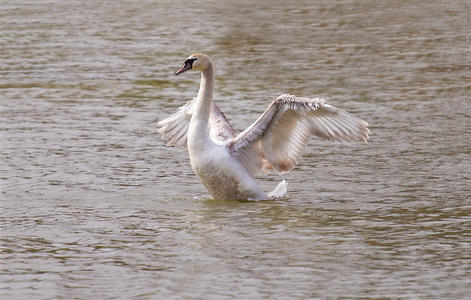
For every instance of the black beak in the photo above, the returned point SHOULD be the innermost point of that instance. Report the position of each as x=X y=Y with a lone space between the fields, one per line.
x=186 y=66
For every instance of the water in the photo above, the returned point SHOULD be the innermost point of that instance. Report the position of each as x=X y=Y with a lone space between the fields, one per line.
x=93 y=205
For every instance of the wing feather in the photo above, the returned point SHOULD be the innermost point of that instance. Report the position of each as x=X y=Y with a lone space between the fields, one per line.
x=278 y=138
x=174 y=129
x=285 y=128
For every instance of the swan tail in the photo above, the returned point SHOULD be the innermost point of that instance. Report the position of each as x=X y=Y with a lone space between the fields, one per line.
x=280 y=190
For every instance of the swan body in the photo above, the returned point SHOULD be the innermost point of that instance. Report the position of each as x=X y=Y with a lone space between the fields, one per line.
x=227 y=162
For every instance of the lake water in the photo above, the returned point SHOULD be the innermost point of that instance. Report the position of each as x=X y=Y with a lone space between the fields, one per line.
x=95 y=206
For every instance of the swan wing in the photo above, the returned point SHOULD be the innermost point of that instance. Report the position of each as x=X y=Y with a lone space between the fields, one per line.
x=281 y=134
x=220 y=129
x=174 y=129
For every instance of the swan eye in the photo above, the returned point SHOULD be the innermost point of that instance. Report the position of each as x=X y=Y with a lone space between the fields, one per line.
x=190 y=61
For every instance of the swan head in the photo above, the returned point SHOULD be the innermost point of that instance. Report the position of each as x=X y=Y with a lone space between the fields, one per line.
x=196 y=62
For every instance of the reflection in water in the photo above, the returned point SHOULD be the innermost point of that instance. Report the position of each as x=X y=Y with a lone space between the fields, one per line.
x=92 y=198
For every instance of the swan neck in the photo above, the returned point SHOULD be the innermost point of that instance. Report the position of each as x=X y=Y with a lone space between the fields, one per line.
x=199 y=121
x=205 y=93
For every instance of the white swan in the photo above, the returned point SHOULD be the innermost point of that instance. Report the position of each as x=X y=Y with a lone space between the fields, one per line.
x=226 y=162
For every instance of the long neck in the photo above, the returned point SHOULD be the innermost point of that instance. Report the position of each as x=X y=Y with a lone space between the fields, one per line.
x=199 y=121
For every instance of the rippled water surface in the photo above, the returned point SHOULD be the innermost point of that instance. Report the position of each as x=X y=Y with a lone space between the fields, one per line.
x=94 y=206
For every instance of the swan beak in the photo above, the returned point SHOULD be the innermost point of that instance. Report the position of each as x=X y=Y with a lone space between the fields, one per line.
x=185 y=67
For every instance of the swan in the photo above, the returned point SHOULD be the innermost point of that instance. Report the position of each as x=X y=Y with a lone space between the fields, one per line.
x=227 y=162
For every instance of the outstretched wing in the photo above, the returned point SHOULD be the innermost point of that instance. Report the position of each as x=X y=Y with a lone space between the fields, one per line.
x=175 y=128
x=281 y=134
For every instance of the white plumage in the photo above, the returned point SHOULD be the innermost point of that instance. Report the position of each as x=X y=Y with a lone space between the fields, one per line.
x=227 y=162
